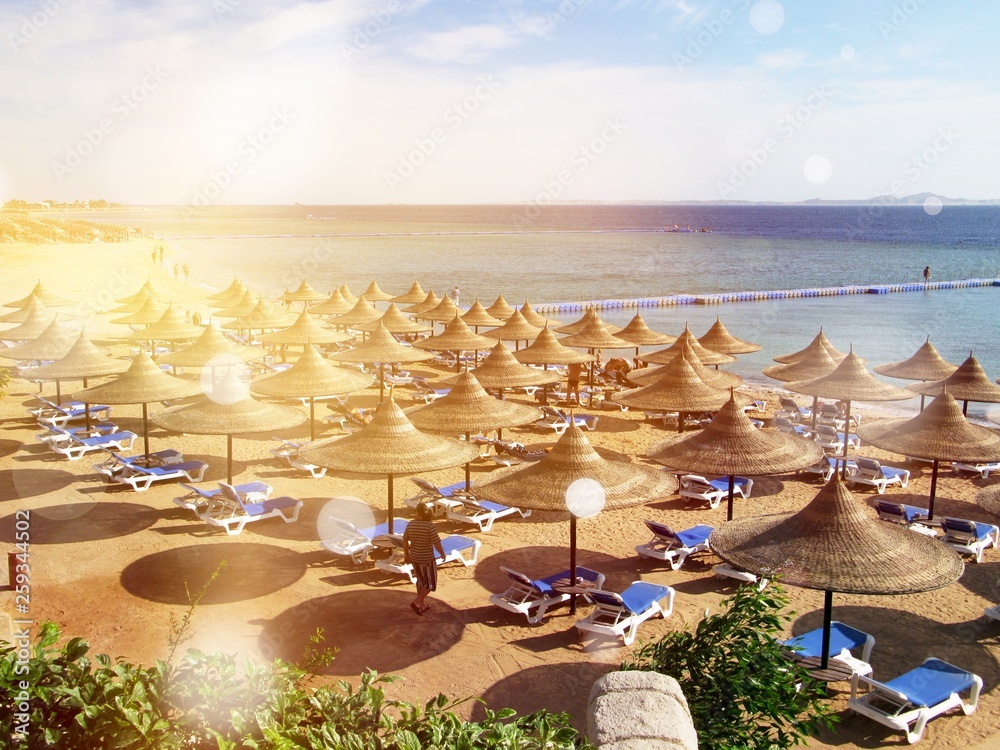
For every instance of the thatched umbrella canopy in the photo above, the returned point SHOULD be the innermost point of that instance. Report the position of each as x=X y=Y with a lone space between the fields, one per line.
x=968 y=383
x=362 y=312
x=679 y=389
x=137 y=300
x=142 y=383
x=926 y=364
x=374 y=294
x=428 y=303
x=500 y=309
x=305 y=330
x=457 y=336
x=150 y=312
x=719 y=339
x=850 y=381
x=346 y=294
x=501 y=370
x=234 y=286
x=83 y=360
x=212 y=349
x=389 y=445
x=305 y=293
x=335 y=304
x=547 y=350
x=413 y=295
x=515 y=329
x=833 y=544
x=42 y=295
x=444 y=311
x=309 y=377
x=228 y=410
x=640 y=334
x=590 y=315
x=595 y=335
x=714 y=378
x=534 y=318
x=468 y=408
x=819 y=340
x=989 y=499
x=816 y=364
x=731 y=446
x=170 y=327
x=236 y=308
x=394 y=322
x=938 y=433
x=262 y=317
x=477 y=316
x=381 y=348
x=51 y=344
x=705 y=356
x=34 y=319
x=543 y=485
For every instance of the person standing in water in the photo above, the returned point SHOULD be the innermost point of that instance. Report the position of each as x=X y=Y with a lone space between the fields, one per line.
x=927 y=274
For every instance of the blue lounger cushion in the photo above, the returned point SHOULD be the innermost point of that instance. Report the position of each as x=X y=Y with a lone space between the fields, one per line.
x=932 y=682
x=637 y=598
x=841 y=637
x=267 y=506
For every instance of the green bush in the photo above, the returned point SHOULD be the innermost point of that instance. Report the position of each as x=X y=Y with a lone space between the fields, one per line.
x=215 y=701
x=4 y=381
x=744 y=694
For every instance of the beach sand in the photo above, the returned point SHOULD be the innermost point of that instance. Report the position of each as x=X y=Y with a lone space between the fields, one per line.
x=111 y=565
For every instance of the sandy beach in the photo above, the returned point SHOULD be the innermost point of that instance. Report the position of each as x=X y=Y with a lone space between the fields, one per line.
x=111 y=565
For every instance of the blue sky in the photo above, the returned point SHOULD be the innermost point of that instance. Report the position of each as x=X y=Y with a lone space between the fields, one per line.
x=471 y=101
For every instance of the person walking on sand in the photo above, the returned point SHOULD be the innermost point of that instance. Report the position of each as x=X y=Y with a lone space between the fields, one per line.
x=927 y=274
x=420 y=540
x=455 y=295
x=573 y=382
x=187 y=273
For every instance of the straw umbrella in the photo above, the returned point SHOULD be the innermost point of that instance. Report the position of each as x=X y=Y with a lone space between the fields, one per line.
x=305 y=330
x=394 y=322
x=429 y=302
x=589 y=315
x=236 y=305
x=926 y=364
x=814 y=365
x=346 y=294
x=33 y=312
x=150 y=312
x=83 y=360
x=850 y=381
x=135 y=302
x=51 y=344
x=309 y=377
x=374 y=294
x=212 y=349
x=715 y=378
x=640 y=334
x=170 y=327
x=335 y=304
x=989 y=499
x=42 y=295
x=967 y=383
x=381 y=348
x=264 y=316
x=543 y=484
x=835 y=544
x=500 y=370
x=500 y=309
x=705 y=356
x=515 y=329
x=469 y=408
x=938 y=433
x=443 y=312
x=389 y=445
x=731 y=445
x=547 y=350
x=228 y=410
x=304 y=294
x=457 y=336
x=719 y=339
x=595 y=336
x=229 y=291
x=819 y=340
x=477 y=316
x=362 y=312
x=142 y=383
x=534 y=318
x=413 y=295
x=33 y=325
x=679 y=389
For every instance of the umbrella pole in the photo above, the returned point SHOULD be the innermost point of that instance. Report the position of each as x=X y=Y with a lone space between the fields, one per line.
x=468 y=476
x=391 y=522
x=922 y=397
x=58 y=392
x=934 y=473
x=729 y=507
x=680 y=421
x=572 y=562
x=229 y=459
x=965 y=408
x=381 y=382
x=814 y=410
x=145 y=430
x=312 y=418
x=827 y=623
x=847 y=440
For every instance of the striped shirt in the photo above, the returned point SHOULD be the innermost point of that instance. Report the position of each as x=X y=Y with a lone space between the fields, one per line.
x=421 y=536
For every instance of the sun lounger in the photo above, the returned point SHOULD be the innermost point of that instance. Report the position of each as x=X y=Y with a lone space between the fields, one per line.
x=62 y=434
x=674 y=547
x=909 y=516
x=830 y=415
x=909 y=701
x=289 y=450
x=983 y=469
x=481 y=513
x=510 y=453
x=534 y=597
x=457 y=548
x=992 y=612
x=871 y=472
x=713 y=491
x=823 y=468
x=50 y=414
x=198 y=498
x=724 y=570
x=440 y=499
x=429 y=395
x=233 y=510
x=75 y=448
x=969 y=537
x=844 y=641
x=784 y=424
x=665 y=418
x=833 y=441
x=140 y=478
x=791 y=410
x=347 y=540
x=117 y=462
x=621 y=614
x=559 y=421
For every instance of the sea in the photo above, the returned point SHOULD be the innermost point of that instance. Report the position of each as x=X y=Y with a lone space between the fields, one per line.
x=575 y=252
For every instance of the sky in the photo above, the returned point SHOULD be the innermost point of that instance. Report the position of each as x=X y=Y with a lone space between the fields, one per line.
x=469 y=101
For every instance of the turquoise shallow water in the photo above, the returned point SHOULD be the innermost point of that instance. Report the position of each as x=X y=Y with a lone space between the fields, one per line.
x=570 y=253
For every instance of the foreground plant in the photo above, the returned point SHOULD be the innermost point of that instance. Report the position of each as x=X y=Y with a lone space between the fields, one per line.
x=743 y=692
x=59 y=698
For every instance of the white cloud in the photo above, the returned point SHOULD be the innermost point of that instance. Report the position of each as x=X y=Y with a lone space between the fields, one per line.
x=786 y=59
x=468 y=44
